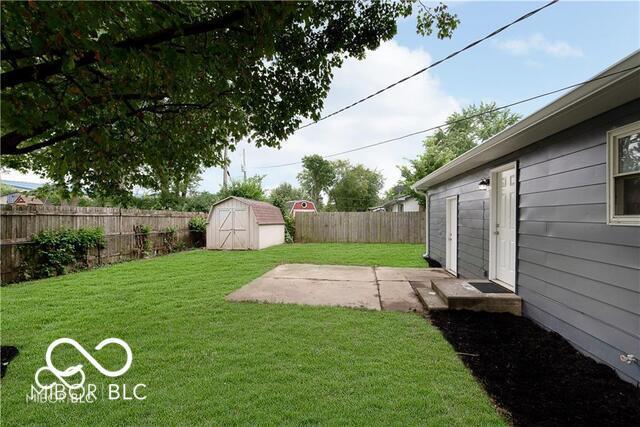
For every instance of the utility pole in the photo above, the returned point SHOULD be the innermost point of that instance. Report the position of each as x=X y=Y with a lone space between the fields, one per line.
x=244 y=164
x=225 y=172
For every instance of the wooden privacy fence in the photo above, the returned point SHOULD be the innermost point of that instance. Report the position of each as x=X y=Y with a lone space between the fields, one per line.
x=19 y=223
x=360 y=227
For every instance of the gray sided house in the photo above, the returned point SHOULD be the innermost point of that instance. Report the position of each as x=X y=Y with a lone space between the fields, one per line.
x=550 y=208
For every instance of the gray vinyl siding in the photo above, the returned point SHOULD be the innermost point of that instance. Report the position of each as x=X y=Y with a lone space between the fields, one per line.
x=577 y=275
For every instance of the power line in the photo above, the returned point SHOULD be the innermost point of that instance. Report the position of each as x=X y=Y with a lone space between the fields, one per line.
x=444 y=125
x=422 y=70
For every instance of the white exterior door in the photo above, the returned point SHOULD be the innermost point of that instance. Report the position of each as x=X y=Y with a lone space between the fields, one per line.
x=505 y=227
x=451 y=234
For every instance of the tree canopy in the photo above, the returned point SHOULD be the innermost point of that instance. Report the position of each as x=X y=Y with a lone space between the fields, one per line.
x=473 y=125
x=356 y=188
x=103 y=96
x=287 y=192
x=316 y=177
x=251 y=188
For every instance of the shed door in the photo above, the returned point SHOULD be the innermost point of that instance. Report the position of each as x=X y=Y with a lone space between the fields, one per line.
x=241 y=227
x=233 y=228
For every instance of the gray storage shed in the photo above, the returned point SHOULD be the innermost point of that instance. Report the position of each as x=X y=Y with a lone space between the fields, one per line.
x=550 y=208
x=236 y=223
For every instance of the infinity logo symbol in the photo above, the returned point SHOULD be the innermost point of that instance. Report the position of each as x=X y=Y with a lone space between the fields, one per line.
x=77 y=369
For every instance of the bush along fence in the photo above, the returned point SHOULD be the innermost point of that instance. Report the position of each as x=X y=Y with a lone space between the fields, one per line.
x=42 y=241
x=360 y=227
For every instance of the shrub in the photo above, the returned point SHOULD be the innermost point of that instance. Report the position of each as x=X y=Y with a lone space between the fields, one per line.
x=53 y=252
x=198 y=223
x=289 y=228
x=198 y=227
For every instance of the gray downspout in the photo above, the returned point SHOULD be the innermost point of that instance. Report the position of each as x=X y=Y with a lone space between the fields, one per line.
x=426 y=210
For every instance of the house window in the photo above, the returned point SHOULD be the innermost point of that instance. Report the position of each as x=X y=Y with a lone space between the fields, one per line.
x=400 y=207
x=623 y=164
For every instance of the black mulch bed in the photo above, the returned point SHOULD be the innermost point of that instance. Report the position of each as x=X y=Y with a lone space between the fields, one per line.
x=536 y=376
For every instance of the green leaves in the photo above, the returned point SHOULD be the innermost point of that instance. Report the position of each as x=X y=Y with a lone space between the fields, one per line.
x=439 y=17
x=54 y=251
x=316 y=177
x=198 y=223
x=107 y=96
x=349 y=188
x=68 y=65
x=356 y=188
x=286 y=192
x=251 y=188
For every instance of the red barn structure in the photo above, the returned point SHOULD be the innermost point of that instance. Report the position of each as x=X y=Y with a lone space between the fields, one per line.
x=294 y=206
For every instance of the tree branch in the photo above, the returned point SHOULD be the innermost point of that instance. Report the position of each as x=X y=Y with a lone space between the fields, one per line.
x=37 y=72
x=9 y=142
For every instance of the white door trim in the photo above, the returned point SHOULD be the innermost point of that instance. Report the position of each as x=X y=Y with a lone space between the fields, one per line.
x=492 y=222
x=451 y=244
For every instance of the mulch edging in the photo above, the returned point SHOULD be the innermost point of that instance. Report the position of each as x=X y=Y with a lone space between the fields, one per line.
x=7 y=354
x=535 y=375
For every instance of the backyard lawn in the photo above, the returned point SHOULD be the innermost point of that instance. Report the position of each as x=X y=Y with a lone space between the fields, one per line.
x=205 y=360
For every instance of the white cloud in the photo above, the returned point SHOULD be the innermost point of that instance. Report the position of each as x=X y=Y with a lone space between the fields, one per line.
x=416 y=104
x=539 y=43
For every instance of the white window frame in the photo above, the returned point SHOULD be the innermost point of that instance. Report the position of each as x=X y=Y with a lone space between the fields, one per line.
x=612 y=169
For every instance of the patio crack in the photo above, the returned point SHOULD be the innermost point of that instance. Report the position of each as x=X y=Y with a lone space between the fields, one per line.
x=317 y=279
x=375 y=275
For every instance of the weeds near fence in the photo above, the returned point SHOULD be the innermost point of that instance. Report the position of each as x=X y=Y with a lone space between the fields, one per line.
x=143 y=241
x=169 y=239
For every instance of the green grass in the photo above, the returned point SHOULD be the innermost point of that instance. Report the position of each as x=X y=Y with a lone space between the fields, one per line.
x=207 y=361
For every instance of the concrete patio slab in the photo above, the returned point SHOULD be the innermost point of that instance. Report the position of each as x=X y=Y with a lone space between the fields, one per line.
x=354 y=294
x=411 y=274
x=322 y=272
x=339 y=285
x=387 y=273
x=398 y=296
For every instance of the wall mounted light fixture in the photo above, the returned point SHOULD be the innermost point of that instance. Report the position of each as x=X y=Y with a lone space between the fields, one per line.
x=484 y=184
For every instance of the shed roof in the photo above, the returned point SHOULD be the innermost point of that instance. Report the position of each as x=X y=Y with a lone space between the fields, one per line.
x=291 y=203
x=264 y=212
x=611 y=88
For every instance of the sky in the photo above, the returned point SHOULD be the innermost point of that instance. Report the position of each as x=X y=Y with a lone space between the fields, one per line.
x=564 y=44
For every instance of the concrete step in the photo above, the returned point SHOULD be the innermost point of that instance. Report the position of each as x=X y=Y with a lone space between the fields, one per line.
x=458 y=294
x=427 y=297
x=430 y=300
